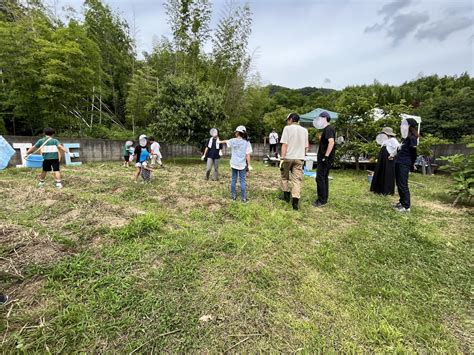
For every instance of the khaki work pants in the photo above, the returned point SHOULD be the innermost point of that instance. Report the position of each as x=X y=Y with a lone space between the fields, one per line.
x=292 y=170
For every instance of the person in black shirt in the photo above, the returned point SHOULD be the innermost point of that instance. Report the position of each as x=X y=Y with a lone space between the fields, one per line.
x=405 y=162
x=213 y=153
x=326 y=154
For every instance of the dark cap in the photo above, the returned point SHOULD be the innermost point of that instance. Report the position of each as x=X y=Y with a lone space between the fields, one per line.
x=293 y=116
x=325 y=115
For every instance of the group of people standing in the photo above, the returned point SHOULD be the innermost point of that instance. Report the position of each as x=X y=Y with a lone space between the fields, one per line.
x=241 y=149
x=395 y=160
x=294 y=146
x=394 y=163
x=147 y=154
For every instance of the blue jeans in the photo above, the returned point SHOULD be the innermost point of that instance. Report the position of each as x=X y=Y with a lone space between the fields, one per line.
x=401 y=177
x=243 y=184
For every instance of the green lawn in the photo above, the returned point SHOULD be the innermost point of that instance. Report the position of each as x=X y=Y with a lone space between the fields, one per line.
x=105 y=265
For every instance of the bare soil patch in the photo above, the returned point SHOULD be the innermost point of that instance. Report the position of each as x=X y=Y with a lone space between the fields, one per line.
x=22 y=247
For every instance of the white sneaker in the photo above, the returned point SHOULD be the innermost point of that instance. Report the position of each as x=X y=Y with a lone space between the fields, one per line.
x=59 y=185
x=41 y=184
x=402 y=209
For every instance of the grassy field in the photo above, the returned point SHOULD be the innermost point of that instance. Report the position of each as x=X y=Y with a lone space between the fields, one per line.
x=105 y=265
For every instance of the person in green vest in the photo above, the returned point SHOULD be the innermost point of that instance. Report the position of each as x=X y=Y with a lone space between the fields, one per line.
x=50 y=148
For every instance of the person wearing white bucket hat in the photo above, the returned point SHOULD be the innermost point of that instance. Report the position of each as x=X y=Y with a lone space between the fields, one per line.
x=383 y=180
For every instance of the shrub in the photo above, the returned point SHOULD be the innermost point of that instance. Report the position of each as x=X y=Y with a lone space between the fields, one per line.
x=462 y=171
x=425 y=148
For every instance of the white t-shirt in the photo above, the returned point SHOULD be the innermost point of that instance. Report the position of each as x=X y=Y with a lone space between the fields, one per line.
x=155 y=148
x=273 y=138
x=296 y=137
x=392 y=146
x=239 y=150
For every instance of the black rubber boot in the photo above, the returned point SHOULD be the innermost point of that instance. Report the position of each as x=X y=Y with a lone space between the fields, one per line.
x=295 y=203
x=286 y=196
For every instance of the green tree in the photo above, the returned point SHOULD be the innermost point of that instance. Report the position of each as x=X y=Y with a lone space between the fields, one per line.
x=112 y=35
x=69 y=72
x=141 y=93
x=185 y=110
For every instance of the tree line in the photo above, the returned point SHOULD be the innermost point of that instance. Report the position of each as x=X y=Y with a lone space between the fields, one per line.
x=83 y=76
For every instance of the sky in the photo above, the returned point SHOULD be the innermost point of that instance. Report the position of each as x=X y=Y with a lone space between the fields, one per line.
x=336 y=43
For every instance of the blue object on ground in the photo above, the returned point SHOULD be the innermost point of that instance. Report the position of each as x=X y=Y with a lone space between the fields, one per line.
x=370 y=177
x=309 y=173
x=6 y=153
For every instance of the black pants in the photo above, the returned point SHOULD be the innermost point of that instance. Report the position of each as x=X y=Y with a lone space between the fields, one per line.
x=273 y=148
x=401 y=177
x=322 y=181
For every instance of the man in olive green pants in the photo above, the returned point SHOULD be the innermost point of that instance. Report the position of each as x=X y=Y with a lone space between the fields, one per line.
x=294 y=145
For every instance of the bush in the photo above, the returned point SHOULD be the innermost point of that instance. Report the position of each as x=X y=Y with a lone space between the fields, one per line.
x=426 y=144
x=100 y=132
x=467 y=139
x=462 y=171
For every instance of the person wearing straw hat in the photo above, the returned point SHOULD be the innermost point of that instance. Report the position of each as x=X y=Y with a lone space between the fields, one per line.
x=383 y=181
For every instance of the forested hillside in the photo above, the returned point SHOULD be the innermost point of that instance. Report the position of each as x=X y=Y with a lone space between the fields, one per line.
x=81 y=74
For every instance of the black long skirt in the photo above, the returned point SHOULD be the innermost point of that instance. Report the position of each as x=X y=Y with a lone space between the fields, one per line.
x=383 y=181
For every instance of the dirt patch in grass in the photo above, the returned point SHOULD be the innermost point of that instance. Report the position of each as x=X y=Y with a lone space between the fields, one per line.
x=22 y=247
x=439 y=207
x=463 y=334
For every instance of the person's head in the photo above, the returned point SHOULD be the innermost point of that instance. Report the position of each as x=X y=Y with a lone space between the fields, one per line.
x=240 y=131
x=273 y=130
x=48 y=131
x=413 y=131
x=388 y=131
x=214 y=132
x=151 y=139
x=292 y=118
x=412 y=127
x=325 y=115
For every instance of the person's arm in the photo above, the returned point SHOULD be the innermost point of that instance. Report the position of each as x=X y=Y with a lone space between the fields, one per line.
x=204 y=154
x=284 y=143
x=306 y=147
x=330 y=147
x=247 y=159
x=32 y=148
x=412 y=148
x=63 y=148
x=284 y=149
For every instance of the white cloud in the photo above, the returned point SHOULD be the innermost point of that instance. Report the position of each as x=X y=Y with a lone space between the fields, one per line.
x=303 y=42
